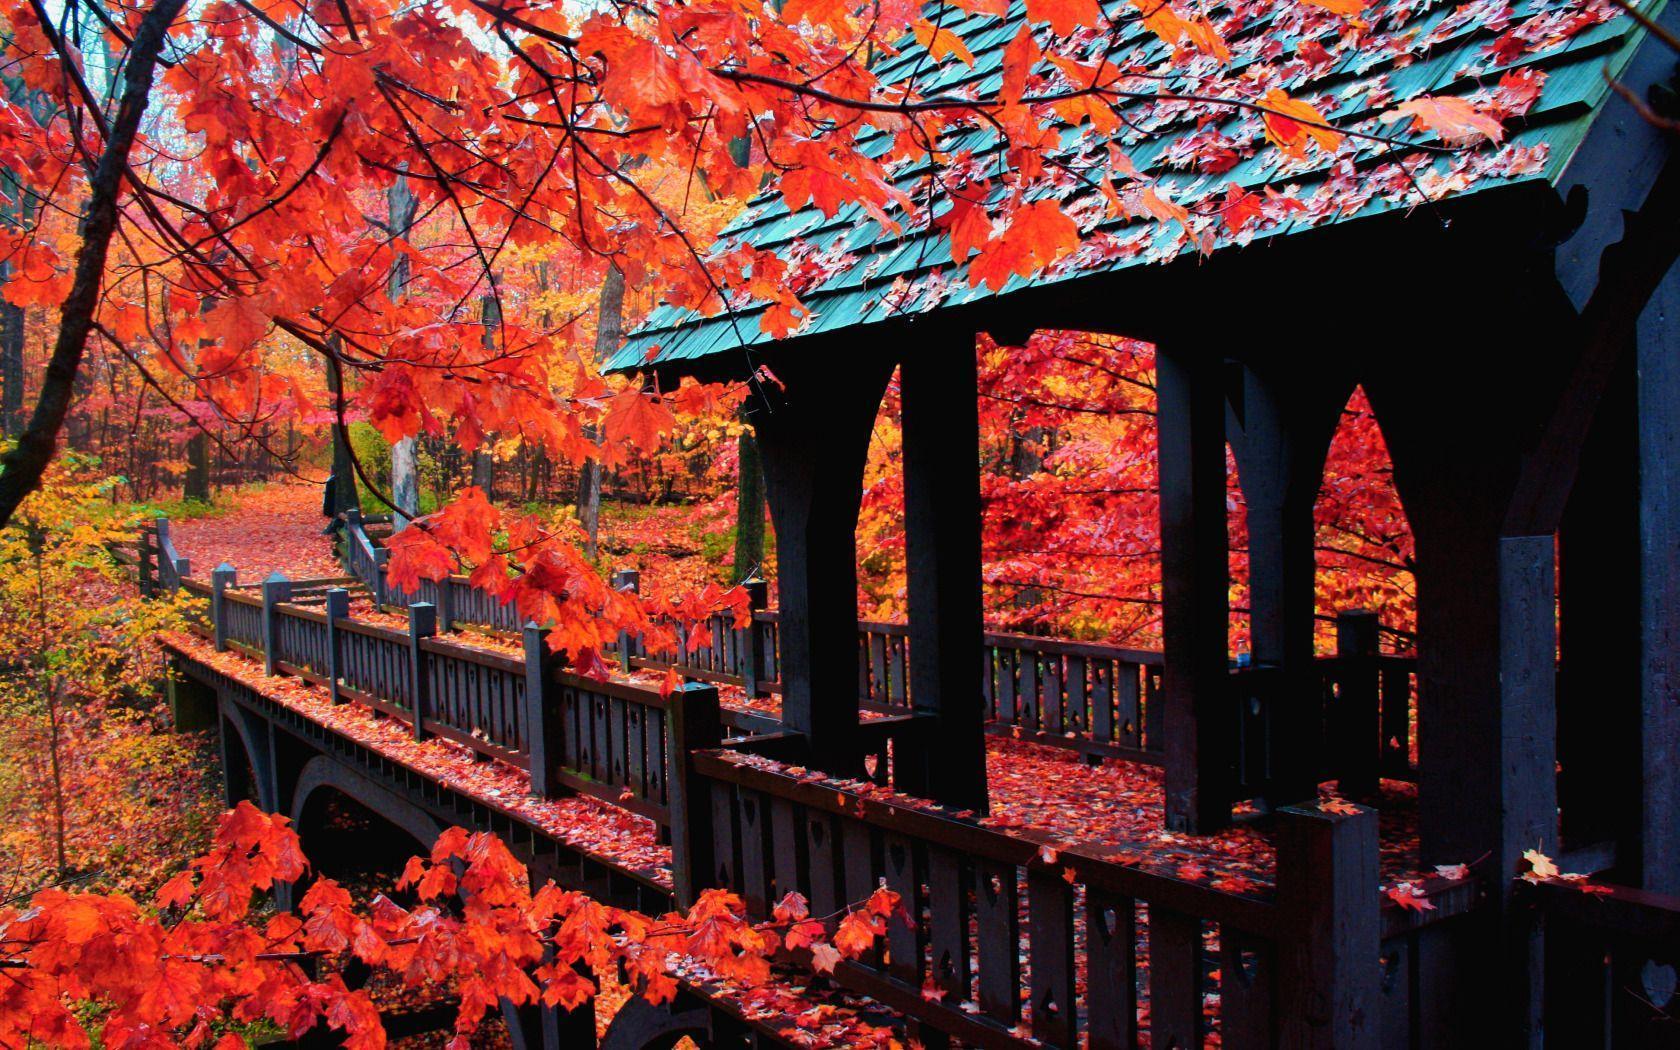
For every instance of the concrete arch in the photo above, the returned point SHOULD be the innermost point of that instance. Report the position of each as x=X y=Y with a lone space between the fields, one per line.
x=323 y=772
x=247 y=727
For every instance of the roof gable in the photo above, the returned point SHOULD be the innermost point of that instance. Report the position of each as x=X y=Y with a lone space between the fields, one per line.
x=849 y=269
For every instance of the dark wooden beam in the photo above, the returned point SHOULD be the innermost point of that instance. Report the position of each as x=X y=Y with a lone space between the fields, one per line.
x=813 y=434
x=1279 y=440
x=938 y=387
x=1598 y=630
x=1195 y=604
x=1658 y=363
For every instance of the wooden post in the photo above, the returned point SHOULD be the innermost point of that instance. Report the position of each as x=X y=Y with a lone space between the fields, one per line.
x=1599 y=584
x=221 y=578
x=813 y=435
x=144 y=551
x=938 y=390
x=695 y=725
x=752 y=652
x=1195 y=605
x=1328 y=965
x=422 y=624
x=275 y=589
x=1658 y=362
x=381 y=588
x=542 y=719
x=165 y=567
x=445 y=590
x=1357 y=733
x=626 y=580
x=337 y=608
x=1280 y=421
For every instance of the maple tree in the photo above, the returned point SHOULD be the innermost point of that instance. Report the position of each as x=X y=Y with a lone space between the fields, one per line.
x=86 y=773
x=226 y=254
x=199 y=957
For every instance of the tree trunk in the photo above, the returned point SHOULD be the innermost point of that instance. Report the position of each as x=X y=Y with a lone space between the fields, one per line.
x=405 y=460
x=21 y=470
x=343 y=494
x=197 y=483
x=749 y=508
x=609 y=332
x=11 y=363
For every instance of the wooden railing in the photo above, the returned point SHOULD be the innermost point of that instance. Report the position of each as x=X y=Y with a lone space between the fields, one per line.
x=1096 y=699
x=457 y=601
x=1017 y=942
x=572 y=734
x=1611 y=955
x=158 y=566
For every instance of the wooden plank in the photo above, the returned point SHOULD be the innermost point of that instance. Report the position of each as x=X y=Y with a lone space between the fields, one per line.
x=1129 y=713
x=1050 y=695
x=1077 y=711
x=860 y=867
x=1028 y=719
x=903 y=949
x=755 y=863
x=726 y=841
x=1246 y=972
x=1055 y=1014
x=1175 y=979
x=947 y=904
x=786 y=849
x=997 y=940
x=1111 y=970
x=822 y=848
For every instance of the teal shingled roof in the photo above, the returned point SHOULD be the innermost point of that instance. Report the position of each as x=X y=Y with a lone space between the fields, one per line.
x=858 y=272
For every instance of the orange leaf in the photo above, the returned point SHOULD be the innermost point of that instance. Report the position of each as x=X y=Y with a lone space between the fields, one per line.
x=940 y=42
x=1455 y=120
x=1290 y=123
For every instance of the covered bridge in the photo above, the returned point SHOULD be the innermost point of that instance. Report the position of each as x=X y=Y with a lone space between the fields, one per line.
x=1512 y=310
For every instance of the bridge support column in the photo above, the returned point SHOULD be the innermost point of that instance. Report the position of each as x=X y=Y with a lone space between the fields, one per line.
x=1195 y=604
x=813 y=434
x=938 y=390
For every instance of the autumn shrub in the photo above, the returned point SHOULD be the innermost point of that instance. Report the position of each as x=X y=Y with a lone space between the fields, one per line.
x=94 y=787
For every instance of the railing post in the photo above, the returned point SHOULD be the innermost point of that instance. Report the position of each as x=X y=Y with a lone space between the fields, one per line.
x=275 y=589
x=221 y=578
x=338 y=607
x=445 y=589
x=352 y=518
x=542 y=722
x=422 y=624
x=752 y=653
x=1357 y=732
x=1327 y=888
x=695 y=725
x=381 y=589
x=165 y=562
x=626 y=580
x=143 y=554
